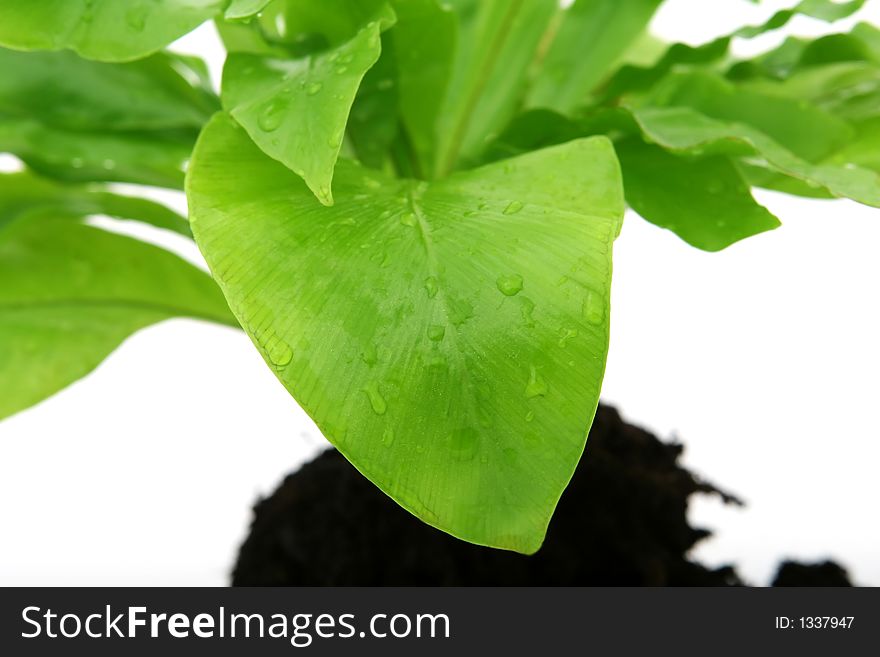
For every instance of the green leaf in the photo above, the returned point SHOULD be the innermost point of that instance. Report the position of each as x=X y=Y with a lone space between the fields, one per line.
x=592 y=37
x=704 y=201
x=803 y=129
x=633 y=79
x=296 y=110
x=423 y=43
x=23 y=192
x=826 y=10
x=147 y=158
x=244 y=9
x=71 y=293
x=105 y=30
x=373 y=124
x=448 y=337
x=90 y=121
x=66 y=91
x=489 y=77
x=683 y=130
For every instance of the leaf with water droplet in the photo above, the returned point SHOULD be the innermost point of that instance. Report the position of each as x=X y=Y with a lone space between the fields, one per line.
x=316 y=96
x=459 y=399
x=509 y=284
x=513 y=207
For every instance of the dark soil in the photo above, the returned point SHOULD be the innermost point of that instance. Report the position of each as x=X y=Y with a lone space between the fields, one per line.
x=622 y=521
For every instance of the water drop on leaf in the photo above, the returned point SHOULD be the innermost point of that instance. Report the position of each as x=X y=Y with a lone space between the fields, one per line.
x=510 y=285
x=513 y=207
x=377 y=401
x=436 y=332
x=593 y=309
x=313 y=88
x=271 y=117
x=536 y=387
x=431 y=287
x=408 y=219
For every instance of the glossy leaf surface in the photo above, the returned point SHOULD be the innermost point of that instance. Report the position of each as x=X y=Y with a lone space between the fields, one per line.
x=448 y=337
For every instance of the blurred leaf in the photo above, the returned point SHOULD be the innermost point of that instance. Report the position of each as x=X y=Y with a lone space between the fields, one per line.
x=64 y=90
x=105 y=30
x=464 y=379
x=495 y=51
x=686 y=131
x=592 y=36
x=423 y=43
x=803 y=129
x=244 y=9
x=71 y=293
x=23 y=192
x=704 y=201
x=373 y=123
x=296 y=110
x=147 y=158
x=634 y=79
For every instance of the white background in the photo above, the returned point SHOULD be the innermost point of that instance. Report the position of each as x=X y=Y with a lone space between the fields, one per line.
x=762 y=359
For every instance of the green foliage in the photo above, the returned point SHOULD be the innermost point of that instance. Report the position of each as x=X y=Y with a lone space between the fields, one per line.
x=462 y=377
x=70 y=293
x=408 y=204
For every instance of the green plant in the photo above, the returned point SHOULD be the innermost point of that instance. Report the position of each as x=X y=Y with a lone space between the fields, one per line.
x=408 y=205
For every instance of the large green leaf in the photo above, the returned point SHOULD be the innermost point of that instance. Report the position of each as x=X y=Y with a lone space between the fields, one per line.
x=448 y=337
x=70 y=293
x=705 y=201
x=296 y=110
x=593 y=35
x=105 y=30
x=66 y=91
x=495 y=50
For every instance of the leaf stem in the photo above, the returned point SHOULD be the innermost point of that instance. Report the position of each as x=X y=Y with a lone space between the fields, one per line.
x=446 y=161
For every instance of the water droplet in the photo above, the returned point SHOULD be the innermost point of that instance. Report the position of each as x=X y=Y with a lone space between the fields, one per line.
x=464 y=443
x=460 y=310
x=408 y=219
x=510 y=285
x=108 y=164
x=136 y=17
x=324 y=192
x=348 y=221
x=536 y=387
x=483 y=206
x=437 y=362
x=513 y=207
x=377 y=401
x=436 y=332
x=341 y=69
x=335 y=140
x=530 y=416
x=346 y=58
x=526 y=308
x=372 y=183
x=271 y=116
x=313 y=88
x=388 y=437
x=431 y=286
x=278 y=351
x=594 y=309
x=566 y=334
x=369 y=355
